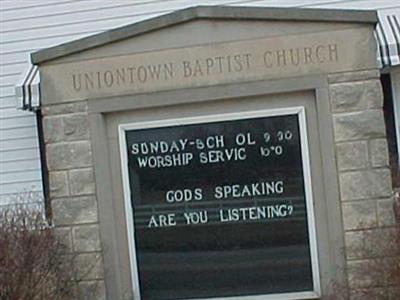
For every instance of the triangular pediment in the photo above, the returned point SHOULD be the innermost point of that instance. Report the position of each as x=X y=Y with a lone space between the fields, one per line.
x=202 y=25
x=205 y=46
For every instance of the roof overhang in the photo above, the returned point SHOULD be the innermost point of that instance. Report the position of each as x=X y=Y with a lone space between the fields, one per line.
x=27 y=90
x=388 y=38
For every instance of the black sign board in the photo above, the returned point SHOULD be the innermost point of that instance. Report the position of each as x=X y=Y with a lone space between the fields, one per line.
x=220 y=209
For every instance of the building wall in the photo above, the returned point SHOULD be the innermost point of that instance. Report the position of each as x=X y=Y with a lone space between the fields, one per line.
x=27 y=26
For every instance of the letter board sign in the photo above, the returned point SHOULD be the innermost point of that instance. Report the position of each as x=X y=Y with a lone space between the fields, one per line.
x=220 y=206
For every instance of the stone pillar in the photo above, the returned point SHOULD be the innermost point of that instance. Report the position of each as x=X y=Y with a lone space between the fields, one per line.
x=72 y=190
x=365 y=183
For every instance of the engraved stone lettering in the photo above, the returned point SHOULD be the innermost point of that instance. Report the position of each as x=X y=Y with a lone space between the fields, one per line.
x=204 y=65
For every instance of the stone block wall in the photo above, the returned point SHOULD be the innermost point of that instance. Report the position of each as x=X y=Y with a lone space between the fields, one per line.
x=365 y=184
x=363 y=173
x=72 y=191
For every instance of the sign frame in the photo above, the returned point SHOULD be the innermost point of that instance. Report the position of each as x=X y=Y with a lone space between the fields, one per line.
x=311 y=226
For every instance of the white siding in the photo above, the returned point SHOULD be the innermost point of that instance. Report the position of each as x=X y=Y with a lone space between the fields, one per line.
x=26 y=26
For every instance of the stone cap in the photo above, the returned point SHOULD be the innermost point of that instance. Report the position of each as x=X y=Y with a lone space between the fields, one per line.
x=204 y=12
